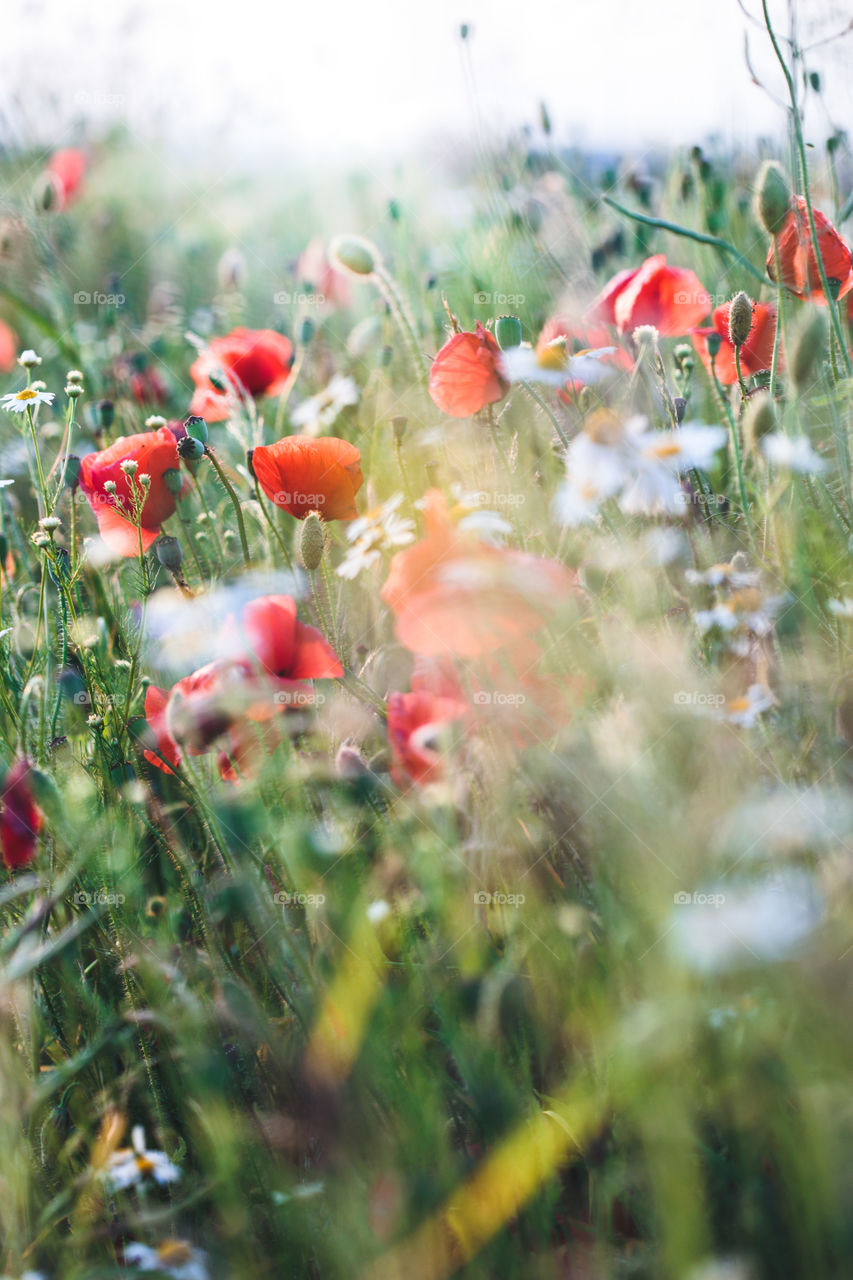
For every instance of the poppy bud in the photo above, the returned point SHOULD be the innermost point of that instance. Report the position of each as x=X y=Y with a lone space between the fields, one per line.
x=740 y=319
x=680 y=406
x=196 y=427
x=759 y=420
x=399 y=426
x=172 y=481
x=808 y=350
x=4 y=548
x=713 y=342
x=312 y=541
x=71 y=473
x=249 y=466
x=106 y=414
x=355 y=254
x=190 y=449
x=508 y=332
x=307 y=329
x=169 y=552
x=773 y=197
x=217 y=380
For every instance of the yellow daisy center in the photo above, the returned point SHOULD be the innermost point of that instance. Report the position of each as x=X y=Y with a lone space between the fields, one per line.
x=27 y=394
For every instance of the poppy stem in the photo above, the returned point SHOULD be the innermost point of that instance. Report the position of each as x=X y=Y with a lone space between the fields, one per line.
x=736 y=448
x=235 y=502
x=272 y=525
x=740 y=380
x=677 y=230
x=780 y=318
x=387 y=286
x=534 y=394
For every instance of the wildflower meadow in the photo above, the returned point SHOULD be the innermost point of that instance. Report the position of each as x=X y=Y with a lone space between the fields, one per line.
x=426 y=715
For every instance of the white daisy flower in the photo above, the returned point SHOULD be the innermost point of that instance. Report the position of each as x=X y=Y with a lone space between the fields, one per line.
x=744 y=711
x=379 y=530
x=490 y=526
x=317 y=414
x=554 y=366
x=792 y=453
x=29 y=398
x=723 y=575
x=131 y=1165
x=172 y=1258
x=745 y=617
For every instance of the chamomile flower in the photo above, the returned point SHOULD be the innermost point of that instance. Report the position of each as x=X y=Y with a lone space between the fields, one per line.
x=28 y=398
x=318 y=413
x=791 y=453
x=131 y=1165
x=171 y=1258
x=728 y=575
x=740 y=620
x=553 y=365
x=379 y=530
x=744 y=711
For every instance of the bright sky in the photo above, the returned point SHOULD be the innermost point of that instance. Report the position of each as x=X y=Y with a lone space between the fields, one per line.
x=281 y=80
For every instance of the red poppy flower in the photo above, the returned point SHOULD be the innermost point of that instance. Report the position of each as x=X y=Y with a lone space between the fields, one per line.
x=454 y=595
x=153 y=452
x=465 y=374
x=21 y=820
x=755 y=354
x=415 y=724
x=798 y=263
x=670 y=298
x=302 y=474
x=257 y=361
x=8 y=348
x=66 y=169
x=274 y=656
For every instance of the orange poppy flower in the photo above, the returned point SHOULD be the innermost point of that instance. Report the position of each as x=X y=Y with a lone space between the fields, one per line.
x=415 y=722
x=454 y=595
x=798 y=263
x=465 y=375
x=670 y=298
x=66 y=169
x=302 y=474
x=755 y=354
x=8 y=348
x=154 y=452
x=257 y=361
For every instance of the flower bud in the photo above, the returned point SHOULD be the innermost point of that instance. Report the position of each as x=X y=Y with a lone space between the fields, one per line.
x=354 y=254
x=130 y=466
x=71 y=473
x=196 y=428
x=508 y=332
x=73 y=390
x=169 y=552
x=680 y=406
x=740 y=319
x=399 y=426
x=74 y=377
x=28 y=359
x=713 y=342
x=312 y=541
x=307 y=329
x=106 y=414
x=808 y=350
x=190 y=449
x=772 y=197
x=759 y=419
x=173 y=481
x=155 y=421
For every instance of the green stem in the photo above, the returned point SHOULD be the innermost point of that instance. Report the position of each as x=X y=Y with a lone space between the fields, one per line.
x=698 y=236
x=534 y=395
x=235 y=502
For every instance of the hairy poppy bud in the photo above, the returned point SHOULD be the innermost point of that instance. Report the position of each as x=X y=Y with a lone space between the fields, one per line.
x=106 y=414
x=312 y=541
x=169 y=552
x=713 y=342
x=740 y=319
x=355 y=254
x=190 y=449
x=508 y=332
x=71 y=472
x=759 y=420
x=808 y=350
x=172 y=481
x=196 y=427
x=773 y=197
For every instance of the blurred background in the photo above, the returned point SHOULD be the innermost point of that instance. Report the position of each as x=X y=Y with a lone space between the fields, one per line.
x=260 y=84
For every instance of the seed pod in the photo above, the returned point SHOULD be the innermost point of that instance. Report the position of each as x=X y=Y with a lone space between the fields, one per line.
x=772 y=197
x=196 y=428
x=190 y=449
x=508 y=332
x=740 y=319
x=312 y=541
x=808 y=351
x=169 y=552
x=71 y=472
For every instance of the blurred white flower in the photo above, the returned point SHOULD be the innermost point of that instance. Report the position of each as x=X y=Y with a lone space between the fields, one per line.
x=841 y=608
x=318 y=413
x=745 y=710
x=553 y=365
x=379 y=530
x=131 y=1165
x=723 y=575
x=746 y=616
x=792 y=453
x=171 y=1258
